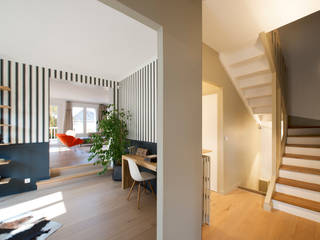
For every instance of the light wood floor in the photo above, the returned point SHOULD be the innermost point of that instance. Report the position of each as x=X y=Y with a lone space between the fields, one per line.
x=97 y=209
x=239 y=216
x=61 y=156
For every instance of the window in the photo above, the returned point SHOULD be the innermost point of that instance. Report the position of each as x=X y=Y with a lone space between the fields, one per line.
x=91 y=120
x=53 y=123
x=84 y=119
x=78 y=120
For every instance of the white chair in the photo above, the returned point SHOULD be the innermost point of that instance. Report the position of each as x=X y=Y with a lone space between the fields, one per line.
x=71 y=133
x=139 y=177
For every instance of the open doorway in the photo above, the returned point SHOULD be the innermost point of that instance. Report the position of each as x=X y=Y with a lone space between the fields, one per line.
x=212 y=132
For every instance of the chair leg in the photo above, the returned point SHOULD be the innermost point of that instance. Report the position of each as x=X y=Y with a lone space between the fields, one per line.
x=132 y=186
x=152 y=189
x=145 y=186
x=139 y=192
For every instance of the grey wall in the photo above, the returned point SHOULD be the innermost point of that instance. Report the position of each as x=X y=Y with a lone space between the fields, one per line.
x=27 y=161
x=300 y=45
x=179 y=175
x=138 y=94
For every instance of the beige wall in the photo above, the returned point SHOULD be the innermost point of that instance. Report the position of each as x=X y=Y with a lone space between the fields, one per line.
x=179 y=113
x=241 y=136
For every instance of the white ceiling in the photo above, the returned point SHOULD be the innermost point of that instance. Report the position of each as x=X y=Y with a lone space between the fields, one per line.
x=229 y=24
x=83 y=36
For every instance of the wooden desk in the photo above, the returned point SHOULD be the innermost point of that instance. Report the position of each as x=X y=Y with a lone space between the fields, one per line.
x=126 y=177
x=204 y=151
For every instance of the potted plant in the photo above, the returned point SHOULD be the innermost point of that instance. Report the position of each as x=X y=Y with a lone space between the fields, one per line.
x=110 y=142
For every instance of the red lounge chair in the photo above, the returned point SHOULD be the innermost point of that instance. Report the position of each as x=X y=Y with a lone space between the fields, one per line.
x=69 y=141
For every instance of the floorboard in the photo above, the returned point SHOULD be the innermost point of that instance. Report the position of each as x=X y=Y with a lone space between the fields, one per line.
x=97 y=208
x=240 y=216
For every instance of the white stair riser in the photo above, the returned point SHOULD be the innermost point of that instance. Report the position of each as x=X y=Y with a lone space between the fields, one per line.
x=298 y=211
x=262 y=110
x=260 y=102
x=256 y=92
x=305 y=177
x=243 y=53
x=255 y=80
x=301 y=162
x=304 y=131
x=256 y=65
x=303 y=140
x=303 y=151
x=298 y=192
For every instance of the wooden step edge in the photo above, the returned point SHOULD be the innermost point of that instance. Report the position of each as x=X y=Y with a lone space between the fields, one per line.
x=299 y=184
x=247 y=60
x=259 y=85
x=302 y=157
x=297 y=201
x=255 y=97
x=304 y=136
x=298 y=127
x=303 y=145
x=306 y=170
x=70 y=167
x=249 y=75
x=68 y=177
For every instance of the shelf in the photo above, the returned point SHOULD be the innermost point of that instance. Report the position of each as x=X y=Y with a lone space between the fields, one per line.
x=5 y=106
x=4 y=144
x=4 y=180
x=4 y=125
x=5 y=88
x=5 y=162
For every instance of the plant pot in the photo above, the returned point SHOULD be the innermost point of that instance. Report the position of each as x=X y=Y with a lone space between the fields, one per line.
x=117 y=173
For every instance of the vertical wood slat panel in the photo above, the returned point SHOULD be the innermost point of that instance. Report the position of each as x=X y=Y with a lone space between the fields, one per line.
x=5 y=116
x=20 y=104
x=26 y=104
x=138 y=95
x=34 y=106
x=13 y=103
x=29 y=100
x=46 y=105
x=40 y=104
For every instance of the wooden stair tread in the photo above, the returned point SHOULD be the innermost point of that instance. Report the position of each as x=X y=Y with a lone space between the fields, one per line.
x=300 y=169
x=252 y=74
x=63 y=178
x=300 y=156
x=303 y=145
x=299 y=184
x=296 y=201
x=307 y=135
x=297 y=127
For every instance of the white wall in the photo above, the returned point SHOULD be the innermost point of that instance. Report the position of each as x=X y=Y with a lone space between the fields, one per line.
x=60 y=89
x=266 y=151
x=210 y=134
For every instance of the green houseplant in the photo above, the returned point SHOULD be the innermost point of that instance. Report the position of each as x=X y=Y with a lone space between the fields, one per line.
x=110 y=142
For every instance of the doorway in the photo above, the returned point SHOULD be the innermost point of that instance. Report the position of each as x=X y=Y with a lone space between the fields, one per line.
x=212 y=133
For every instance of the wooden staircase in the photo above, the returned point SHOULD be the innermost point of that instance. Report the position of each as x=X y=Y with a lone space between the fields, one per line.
x=251 y=74
x=297 y=189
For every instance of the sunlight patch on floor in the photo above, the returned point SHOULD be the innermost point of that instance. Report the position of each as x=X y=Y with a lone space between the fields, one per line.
x=48 y=207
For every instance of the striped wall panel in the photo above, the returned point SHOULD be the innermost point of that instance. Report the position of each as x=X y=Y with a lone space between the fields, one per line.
x=138 y=94
x=29 y=99
x=206 y=189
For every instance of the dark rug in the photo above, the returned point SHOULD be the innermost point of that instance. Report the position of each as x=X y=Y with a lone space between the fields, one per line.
x=40 y=230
